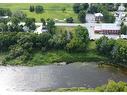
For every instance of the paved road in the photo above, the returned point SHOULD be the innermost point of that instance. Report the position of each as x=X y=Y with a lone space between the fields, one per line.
x=89 y=26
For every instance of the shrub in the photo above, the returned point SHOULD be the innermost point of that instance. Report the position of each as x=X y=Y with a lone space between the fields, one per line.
x=69 y=20
x=31 y=8
x=39 y=9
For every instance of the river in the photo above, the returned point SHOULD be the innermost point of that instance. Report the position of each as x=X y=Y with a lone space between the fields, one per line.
x=23 y=78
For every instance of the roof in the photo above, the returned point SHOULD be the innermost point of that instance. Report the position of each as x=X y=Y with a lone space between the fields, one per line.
x=107 y=27
x=121 y=8
x=3 y=17
x=98 y=14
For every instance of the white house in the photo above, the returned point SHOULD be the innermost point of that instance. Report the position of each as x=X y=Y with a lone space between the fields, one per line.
x=98 y=16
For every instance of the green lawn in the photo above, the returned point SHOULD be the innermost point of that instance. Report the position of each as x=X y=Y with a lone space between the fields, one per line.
x=51 y=10
x=65 y=28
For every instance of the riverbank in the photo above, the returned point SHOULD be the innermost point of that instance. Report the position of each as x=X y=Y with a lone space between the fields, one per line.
x=111 y=86
x=56 y=56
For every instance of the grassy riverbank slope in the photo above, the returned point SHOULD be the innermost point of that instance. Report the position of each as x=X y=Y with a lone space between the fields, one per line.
x=52 y=56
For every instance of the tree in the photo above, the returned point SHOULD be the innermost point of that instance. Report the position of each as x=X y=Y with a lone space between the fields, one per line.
x=30 y=22
x=39 y=9
x=82 y=16
x=58 y=40
x=63 y=9
x=51 y=26
x=84 y=6
x=7 y=39
x=5 y=12
x=119 y=52
x=93 y=9
x=116 y=50
x=19 y=15
x=110 y=6
x=123 y=29
x=43 y=21
x=31 y=8
x=5 y=21
x=79 y=40
x=105 y=45
x=108 y=17
x=42 y=40
x=69 y=20
x=76 y=7
x=15 y=20
x=3 y=27
x=15 y=27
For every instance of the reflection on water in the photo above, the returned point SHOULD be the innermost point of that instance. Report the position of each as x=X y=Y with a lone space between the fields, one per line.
x=53 y=76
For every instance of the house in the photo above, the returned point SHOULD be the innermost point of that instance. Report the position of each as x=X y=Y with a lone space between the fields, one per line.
x=120 y=14
x=98 y=17
x=107 y=28
x=121 y=8
x=40 y=29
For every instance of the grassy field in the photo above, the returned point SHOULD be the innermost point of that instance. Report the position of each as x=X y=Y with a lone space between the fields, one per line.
x=51 y=10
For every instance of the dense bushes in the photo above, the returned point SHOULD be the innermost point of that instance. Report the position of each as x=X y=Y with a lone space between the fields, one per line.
x=116 y=50
x=5 y=12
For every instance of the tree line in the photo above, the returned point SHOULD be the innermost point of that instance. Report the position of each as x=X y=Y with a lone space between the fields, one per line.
x=22 y=44
x=36 y=9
